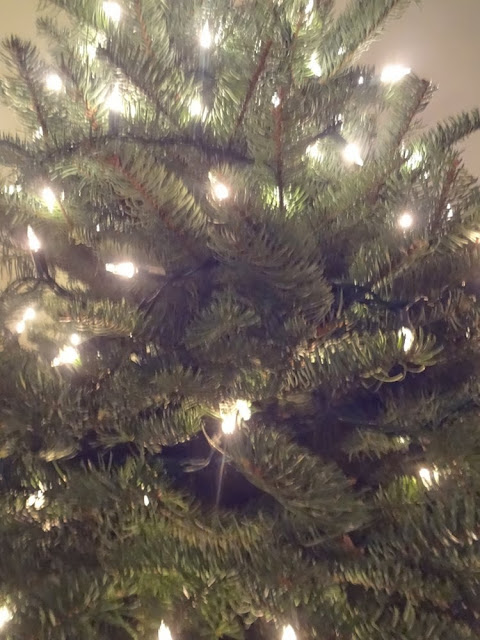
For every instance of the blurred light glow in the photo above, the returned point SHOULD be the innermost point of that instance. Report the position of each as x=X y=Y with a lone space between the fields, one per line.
x=34 y=243
x=408 y=338
x=429 y=477
x=38 y=134
x=115 y=100
x=309 y=7
x=164 y=632
x=415 y=160
x=36 y=500
x=49 y=198
x=29 y=314
x=314 y=65
x=276 y=100
x=361 y=80
x=5 y=616
x=196 y=108
x=405 y=221
x=20 y=327
x=75 y=339
x=123 y=269
x=229 y=422
x=341 y=50
x=66 y=355
x=206 y=36
x=219 y=189
x=146 y=500
x=53 y=82
x=112 y=10
x=313 y=150
x=243 y=409
x=352 y=154
x=289 y=633
x=393 y=73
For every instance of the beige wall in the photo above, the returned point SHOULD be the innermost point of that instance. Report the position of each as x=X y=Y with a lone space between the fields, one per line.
x=440 y=41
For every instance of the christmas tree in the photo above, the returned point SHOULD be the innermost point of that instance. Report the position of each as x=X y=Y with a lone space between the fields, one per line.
x=239 y=331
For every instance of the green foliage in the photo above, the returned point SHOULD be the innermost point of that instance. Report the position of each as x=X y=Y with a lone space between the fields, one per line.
x=347 y=503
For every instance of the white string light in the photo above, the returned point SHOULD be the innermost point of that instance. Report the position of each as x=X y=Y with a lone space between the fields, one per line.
x=229 y=423
x=408 y=337
x=244 y=409
x=66 y=355
x=415 y=160
x=195 y=108
x=361 y=80
x=230 y=414
x=36 y=500
x=405 y=221
x=20 y=327
x=5 y=616
x=146 y=500
x=164 y=632
x=115 y=100
x=393 y=73
x=429 y=477
x=38 y=134
x=12 y=188
x=29 y=314
x=49 y=198
x=75 y=339
x=219 y=189
x=289 y=633
x=276 y=100
x=34 y=243
x=314 y=65
x=313 y=150
x=341 y=50
x=449 y=211
x=309 y=7
x=352 y=155
x=53 y=82
x=205 y=36
x=112 y=10
x=123 y=269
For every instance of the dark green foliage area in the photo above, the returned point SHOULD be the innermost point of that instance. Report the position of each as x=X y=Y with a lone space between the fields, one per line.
x=348 y=504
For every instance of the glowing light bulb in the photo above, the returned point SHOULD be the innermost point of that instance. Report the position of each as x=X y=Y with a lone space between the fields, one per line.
x=361 y=80
x=289 y=633
x=164 y=632
x=146 y=500
x=49 y=198
x=38 y=134
x=313 y=150
x=309 y=7
x=195 y=108
x=408 y=338
x=29 y=314
x=20 y=327
x=36 y=500
x=229 y=422
x=315 y=66
x=206 y=37
x=276 y=100
x=405 y=221
x=415 y=160
x=244 y=410
x=66 y=355
x=393 y=73
x=75 y=339
x=53 y=82
x=449 y=211
x=115 y=101
x=341 y=50
x=123 y=269
x=5 y=616
x=34 y=243
x=428 y=477
x=221 y=191
x=112 y=10
x=351 y=154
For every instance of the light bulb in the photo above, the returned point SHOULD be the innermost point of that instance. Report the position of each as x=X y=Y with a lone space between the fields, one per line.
x=221 y=191
x=314 y=65
x=123 y=269
x=405 y=221
x=289 y=633
x=428 y=477
x=195 y=108
x=38 y=134
x=146 y=500
x=115 y=101
x=341 y=50
x=244 y=410
x=449 y=211
x=229 y=422
x=54 y=82
x=276 y=100
x=394 y=73
x=66 y=355
x=361 y=80
x=112 y=10
x=29 y=314
x=164 y=632
x=205 y=36
x=309 y=7
x=49 y=198
x=313 y=150
x=20 y=327
x=36 y=500
x=408 y=338
x=5 y=616
x=75 y=339
x=33 y=241
x=415 y=160
x=351 y=154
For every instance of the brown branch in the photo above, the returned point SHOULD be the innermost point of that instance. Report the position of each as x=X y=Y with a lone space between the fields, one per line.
x=252 y=84
x=147 y=41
